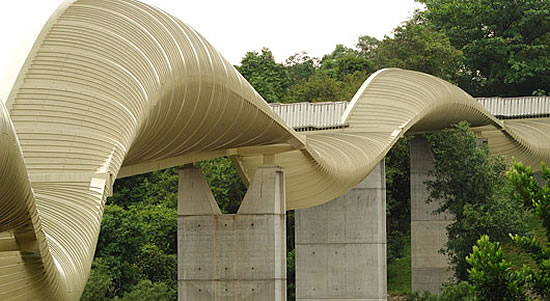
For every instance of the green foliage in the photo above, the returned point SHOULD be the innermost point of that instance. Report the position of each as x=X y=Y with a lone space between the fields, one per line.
x=345 y=61
x=291 y=275
x=268 y=77
x=157 y=187
x=469 y=184
x=398 y=201
x=368 y=46
x=505 y=42
x=396 y=243
x=145 y=290
x=301 y=66
x=336 y=77
x=416 y=46
x=460 y=291
x=399 y=269
x=120 y=235
x=100 y=284
x=455 y=292
x=321 y=87
x=135 y=244
x=424 y=296
x=159 y=222
x=158 y=265
x=225 y=183
x=491 y=274
x=530 y=192
x=540 y=92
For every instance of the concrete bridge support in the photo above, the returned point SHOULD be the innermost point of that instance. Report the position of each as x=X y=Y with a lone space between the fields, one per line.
x=232 y=256
x=539 y=178
x=429 y=268
x=341 y=245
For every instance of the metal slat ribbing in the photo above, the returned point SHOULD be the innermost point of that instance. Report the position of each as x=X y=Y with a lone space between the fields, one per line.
x=328 y=114
x=517 y=107
x=311 y=115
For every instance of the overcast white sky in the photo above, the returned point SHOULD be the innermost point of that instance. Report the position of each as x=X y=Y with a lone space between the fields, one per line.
x=233 y=27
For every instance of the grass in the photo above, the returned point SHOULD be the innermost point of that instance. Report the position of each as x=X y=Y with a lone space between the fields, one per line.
x=399 y=273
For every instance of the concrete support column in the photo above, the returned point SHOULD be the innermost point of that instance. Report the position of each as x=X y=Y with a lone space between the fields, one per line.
x=539 y=178
x=232 y=256
x=430 y=269
x=341 y=245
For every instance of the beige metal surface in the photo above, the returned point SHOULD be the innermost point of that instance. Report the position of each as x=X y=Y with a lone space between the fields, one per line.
x=517 y=107
x=114 y=88
x=307 y=116
x=311 y=116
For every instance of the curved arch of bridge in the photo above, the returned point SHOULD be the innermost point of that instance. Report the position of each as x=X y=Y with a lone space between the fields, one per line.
x=116 y=88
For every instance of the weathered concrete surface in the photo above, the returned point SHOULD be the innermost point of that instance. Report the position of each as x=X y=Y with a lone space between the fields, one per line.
x=539 y=178
x=429 y=268
x=341 y=245
x=234 y=256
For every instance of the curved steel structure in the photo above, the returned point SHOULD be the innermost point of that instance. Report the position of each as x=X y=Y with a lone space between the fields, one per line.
x=113 y=88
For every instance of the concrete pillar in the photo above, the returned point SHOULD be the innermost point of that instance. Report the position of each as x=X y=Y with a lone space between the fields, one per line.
x=539 y=178
x=429 y=268
x=232 y=256
x=341 y=245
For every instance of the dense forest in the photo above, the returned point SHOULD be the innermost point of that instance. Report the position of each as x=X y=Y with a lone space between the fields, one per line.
x=487 y=47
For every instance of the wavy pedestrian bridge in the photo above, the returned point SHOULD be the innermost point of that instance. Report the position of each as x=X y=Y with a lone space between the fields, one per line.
x=117 y=88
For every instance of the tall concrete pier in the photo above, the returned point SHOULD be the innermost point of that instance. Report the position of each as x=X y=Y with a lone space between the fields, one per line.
x=429 y=268
x=232 y=256
x=341 y=245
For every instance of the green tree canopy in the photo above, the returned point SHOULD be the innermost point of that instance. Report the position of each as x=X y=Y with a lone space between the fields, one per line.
x=269 y=78
x=346 y=61
x=301 y=66
x=415 y=46
x=368 y=46
x=336 y=77
x=505 y=42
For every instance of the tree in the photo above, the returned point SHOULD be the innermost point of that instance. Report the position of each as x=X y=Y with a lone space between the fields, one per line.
x=146 y=290
x=505 y=42
x=368 y=45
x=415 y=46
x=346 y=61
x=268 y=77
x=157 y=187
x=318 y=87
x=469 y=183
x=225 y=183
x=336 y=77
x=537 y=197
x=491 y=274
x=100 y=284
x=301 y=66
x=135 y=244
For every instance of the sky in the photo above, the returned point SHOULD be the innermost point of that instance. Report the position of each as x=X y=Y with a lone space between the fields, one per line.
x=232 y=27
